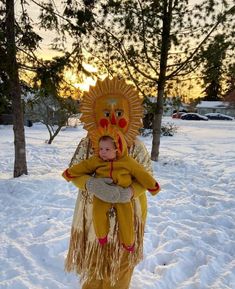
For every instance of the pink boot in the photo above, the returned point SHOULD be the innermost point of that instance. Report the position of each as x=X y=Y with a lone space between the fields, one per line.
x=130 y=248
x=103 y=241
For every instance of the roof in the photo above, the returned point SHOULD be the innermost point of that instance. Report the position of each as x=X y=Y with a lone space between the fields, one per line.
x=212 y=104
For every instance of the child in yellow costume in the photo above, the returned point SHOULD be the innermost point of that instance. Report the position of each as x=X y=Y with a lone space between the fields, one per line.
x=112 y=161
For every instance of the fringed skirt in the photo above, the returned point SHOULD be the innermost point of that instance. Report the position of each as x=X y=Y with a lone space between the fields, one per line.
x=87 y=257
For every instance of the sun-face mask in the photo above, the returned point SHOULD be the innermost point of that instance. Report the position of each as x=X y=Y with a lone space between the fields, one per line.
x=113 y=102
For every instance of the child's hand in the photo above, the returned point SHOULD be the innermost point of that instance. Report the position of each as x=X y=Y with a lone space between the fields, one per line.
x=66 y=175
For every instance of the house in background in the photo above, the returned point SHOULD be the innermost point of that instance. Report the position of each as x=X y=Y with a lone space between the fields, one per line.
x=215 y=106
x=171 y=106
x=230 y=97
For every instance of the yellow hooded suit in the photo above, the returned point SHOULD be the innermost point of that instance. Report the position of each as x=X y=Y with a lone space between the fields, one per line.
x=122 y=170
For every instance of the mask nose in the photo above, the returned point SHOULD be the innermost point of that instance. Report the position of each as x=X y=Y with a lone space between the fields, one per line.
x=113 y=119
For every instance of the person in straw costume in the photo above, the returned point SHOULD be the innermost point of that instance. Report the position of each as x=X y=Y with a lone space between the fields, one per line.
x=116 y=103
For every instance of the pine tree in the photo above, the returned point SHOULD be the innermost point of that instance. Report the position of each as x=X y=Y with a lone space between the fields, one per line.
x=213 y=57
x=20 y=165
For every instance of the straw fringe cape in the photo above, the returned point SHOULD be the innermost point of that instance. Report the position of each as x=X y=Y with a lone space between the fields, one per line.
x=85 y=256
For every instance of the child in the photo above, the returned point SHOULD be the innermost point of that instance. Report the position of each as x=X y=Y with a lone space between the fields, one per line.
x=111 y=160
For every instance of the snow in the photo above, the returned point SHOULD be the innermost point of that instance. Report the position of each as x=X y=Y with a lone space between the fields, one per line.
x=190 y=233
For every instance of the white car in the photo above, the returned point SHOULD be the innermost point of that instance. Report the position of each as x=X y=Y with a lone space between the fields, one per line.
x=218 y=116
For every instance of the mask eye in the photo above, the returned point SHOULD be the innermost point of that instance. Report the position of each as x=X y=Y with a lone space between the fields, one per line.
x=106 y=113
x=118 y=113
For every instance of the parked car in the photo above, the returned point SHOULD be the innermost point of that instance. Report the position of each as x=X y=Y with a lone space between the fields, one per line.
x=193 y=116
x=178 y=114
x=218 y=116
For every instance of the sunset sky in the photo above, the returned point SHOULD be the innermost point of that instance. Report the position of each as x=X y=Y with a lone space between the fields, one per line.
x=47 y=53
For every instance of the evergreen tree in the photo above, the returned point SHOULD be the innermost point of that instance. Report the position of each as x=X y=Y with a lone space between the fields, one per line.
x=5 y=104
x=19 y=44
x=213 y=57
x=14 y=36
x=20 y=165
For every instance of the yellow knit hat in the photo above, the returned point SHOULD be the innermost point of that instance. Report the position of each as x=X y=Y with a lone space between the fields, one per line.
x=112 y=132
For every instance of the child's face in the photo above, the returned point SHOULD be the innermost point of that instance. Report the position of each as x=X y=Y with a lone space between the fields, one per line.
x=107 y=150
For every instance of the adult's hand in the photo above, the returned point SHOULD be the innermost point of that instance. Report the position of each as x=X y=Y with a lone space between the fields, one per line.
x=107 y=191
x=125 y=194
x=104 y=189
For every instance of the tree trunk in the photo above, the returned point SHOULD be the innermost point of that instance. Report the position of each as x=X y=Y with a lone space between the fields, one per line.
x=158 y=109
x=20 y=165
x=157 y=121
x=52 y=136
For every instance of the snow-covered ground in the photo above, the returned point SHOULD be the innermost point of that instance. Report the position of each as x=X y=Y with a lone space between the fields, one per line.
x=190 y=232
